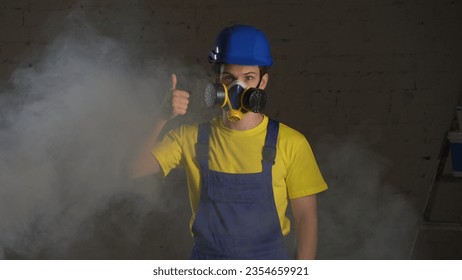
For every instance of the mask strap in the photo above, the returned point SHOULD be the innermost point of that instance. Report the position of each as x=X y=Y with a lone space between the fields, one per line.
x=259 y=82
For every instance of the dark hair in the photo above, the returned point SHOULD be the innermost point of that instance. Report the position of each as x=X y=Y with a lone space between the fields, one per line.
x=216 y=68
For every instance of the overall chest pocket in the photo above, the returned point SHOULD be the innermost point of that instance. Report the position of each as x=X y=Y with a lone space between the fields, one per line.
x=236 y=194
x=238 y=188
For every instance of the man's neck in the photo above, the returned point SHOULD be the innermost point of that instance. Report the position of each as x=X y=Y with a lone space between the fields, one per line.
x=248 y=121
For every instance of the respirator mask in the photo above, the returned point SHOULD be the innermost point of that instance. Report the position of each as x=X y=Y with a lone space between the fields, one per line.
x=237 y=99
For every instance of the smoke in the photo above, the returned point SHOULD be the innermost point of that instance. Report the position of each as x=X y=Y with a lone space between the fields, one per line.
x=361 y=216
x=68 y=124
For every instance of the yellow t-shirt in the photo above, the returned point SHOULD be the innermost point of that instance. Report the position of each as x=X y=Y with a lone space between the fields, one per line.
x=295 y=173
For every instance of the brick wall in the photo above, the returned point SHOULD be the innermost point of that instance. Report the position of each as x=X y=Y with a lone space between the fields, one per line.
x=386 y=74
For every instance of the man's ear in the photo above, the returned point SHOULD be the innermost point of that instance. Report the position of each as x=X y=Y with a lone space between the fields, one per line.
x=264 y=81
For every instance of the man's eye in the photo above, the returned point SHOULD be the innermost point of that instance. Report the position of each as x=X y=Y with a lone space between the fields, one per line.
x=249 y=78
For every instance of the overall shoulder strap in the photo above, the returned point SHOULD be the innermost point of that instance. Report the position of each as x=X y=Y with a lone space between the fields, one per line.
x=202 y=145
x=269 y=149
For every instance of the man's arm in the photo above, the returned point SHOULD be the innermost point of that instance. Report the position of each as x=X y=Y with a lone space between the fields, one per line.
x=306 y=226
x=144 y=163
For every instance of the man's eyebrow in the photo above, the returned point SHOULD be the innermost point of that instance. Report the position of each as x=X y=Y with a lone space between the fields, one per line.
x=245 y=74
x=248 y=73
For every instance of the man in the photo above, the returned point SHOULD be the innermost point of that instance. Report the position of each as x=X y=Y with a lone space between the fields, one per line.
x=242 y=167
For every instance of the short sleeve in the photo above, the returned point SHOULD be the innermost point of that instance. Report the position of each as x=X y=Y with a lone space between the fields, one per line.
x=303 y=176
x=168 y=151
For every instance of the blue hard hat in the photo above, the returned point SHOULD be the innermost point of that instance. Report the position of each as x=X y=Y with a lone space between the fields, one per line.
x=243 y=45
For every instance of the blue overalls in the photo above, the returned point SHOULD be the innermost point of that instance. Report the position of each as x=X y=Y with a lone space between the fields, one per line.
x=237 y=216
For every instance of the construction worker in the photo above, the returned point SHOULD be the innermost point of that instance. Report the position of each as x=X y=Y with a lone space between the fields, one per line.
x=242 y=167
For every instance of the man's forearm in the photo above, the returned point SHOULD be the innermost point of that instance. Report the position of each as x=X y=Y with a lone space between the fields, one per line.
x=144 y=164
x=306 y=226
x=307 y=239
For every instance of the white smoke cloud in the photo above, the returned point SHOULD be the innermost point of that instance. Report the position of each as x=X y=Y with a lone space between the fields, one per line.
x=69 y=123
x=361 y=216
x=67 y=127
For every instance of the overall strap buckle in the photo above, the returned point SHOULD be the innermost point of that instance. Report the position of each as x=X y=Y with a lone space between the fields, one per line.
x=202 y=145
x=269 y=154
x=269 y=149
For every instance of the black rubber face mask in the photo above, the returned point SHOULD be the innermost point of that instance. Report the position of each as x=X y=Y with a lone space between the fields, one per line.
x=237 y=99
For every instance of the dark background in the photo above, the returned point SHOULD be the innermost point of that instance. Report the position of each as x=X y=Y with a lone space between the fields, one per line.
x=373 y=86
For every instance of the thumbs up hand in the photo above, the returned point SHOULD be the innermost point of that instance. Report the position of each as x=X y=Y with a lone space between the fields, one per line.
x=179 y=100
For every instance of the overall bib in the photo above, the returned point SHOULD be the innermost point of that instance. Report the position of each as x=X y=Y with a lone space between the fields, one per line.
x=237 y=216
